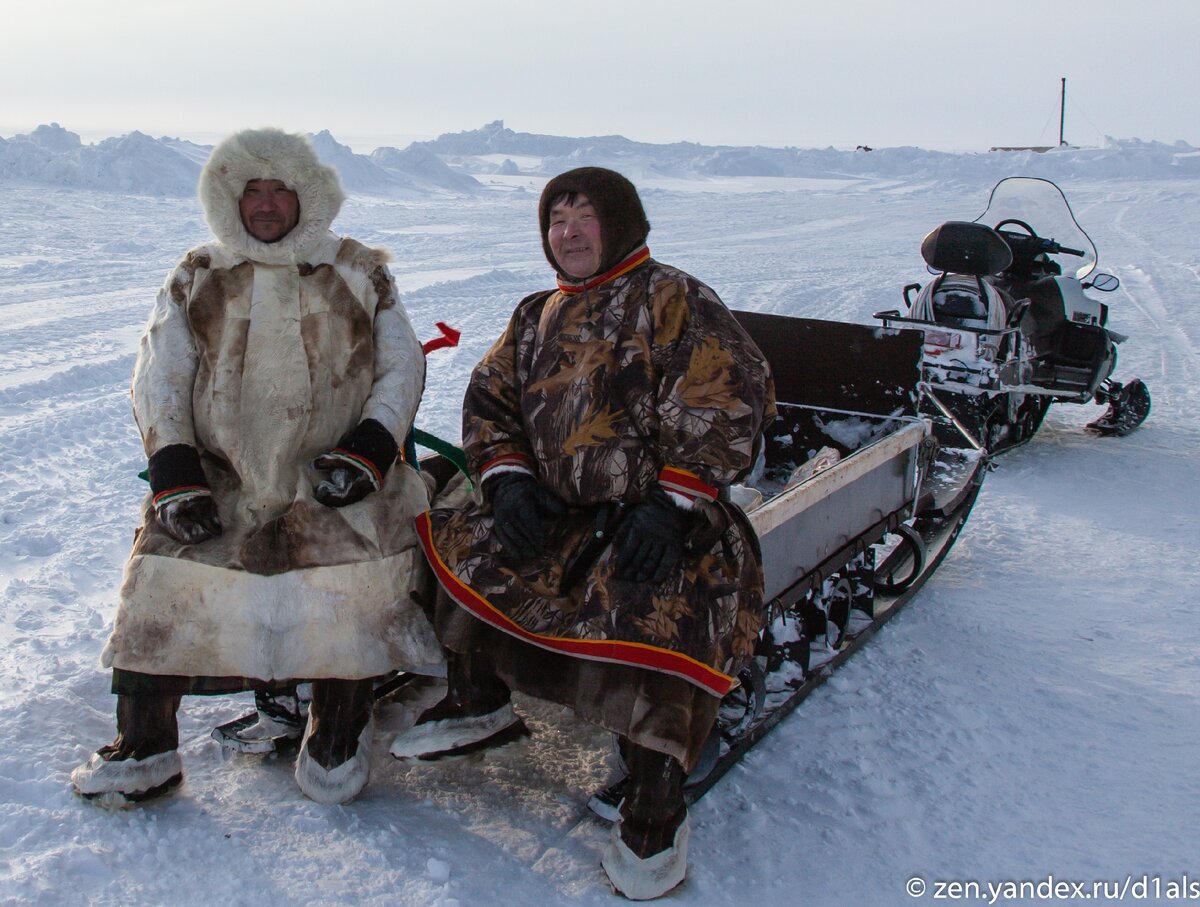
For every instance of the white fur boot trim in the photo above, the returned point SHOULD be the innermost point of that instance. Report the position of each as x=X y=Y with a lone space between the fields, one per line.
x=341 y=783
x=433 y=738
x=643 y=880
x=126 y=777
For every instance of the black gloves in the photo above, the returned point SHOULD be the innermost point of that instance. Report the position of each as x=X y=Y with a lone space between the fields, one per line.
x=357 y=465
x=190 y=520
x=649 y=541
x=518 y=500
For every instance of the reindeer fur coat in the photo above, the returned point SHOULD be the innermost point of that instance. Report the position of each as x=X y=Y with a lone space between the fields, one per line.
x=261 y=357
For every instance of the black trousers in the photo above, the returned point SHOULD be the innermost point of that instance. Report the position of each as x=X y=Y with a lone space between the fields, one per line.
x=654 y=807
x=147 y=721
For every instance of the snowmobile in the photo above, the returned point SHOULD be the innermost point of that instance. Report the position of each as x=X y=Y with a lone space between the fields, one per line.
x=1007 y=331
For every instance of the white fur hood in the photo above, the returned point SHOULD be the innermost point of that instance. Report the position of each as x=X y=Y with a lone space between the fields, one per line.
x=269 y=154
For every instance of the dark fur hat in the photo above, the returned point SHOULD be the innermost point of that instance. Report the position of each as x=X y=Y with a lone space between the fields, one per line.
x=623 y=224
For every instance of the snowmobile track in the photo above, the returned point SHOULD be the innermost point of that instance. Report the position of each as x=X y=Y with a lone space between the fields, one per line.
x=939 y=534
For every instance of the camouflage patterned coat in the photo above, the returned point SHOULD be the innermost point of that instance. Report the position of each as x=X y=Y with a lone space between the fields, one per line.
x=640 y=376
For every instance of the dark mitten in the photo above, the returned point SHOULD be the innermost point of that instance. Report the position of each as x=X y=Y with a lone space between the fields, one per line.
x=183 y=504
x=189 y=519
x=650 y=539
x=345 y=483
x=357 y=465
x=518 y=501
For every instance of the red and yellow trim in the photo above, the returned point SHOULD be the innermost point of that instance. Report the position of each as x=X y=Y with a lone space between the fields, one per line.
x=638 y=655
x=686 y=484
x=627 y=265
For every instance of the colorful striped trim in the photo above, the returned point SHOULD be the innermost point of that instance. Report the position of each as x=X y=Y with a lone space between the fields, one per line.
x=512 y=462
x=180 y=494
x=340 y=453
x=635 y=259
x=633 y=654
x=686 y=484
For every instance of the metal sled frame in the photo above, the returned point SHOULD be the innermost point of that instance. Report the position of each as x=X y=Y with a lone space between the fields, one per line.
x=814 y=532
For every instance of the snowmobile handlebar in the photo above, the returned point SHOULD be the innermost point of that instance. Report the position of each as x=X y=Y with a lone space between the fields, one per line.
x=1025 y=245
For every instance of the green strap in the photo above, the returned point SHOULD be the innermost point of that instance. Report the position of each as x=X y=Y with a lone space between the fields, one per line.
x=455 y=455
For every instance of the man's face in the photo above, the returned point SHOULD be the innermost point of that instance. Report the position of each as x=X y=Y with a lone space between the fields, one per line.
x=269 y=209
x=574 y=237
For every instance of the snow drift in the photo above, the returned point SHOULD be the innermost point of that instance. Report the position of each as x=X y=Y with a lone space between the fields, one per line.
x=138 y=164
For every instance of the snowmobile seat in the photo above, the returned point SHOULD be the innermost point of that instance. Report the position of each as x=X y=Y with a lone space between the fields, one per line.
x=961 y=247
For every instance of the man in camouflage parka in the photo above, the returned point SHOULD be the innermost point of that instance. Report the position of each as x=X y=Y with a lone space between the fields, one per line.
x=599 y=567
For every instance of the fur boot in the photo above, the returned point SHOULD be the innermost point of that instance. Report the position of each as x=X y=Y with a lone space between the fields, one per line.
x=476 y=713
x=120 y=782
x=645 y=878
x=647 y=853
x=143 y=762
x=335 y=755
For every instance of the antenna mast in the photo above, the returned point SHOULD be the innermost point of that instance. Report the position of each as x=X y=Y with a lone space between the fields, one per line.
x=1062 y=112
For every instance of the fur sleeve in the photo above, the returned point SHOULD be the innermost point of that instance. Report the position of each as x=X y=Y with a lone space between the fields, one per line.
x=165 y=370
x=399 y=361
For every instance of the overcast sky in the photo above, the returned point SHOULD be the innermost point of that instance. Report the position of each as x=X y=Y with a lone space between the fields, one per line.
x=943 y=74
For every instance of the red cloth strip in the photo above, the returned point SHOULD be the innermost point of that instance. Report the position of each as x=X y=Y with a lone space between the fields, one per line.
x=449 y=337
x=634 y=654
x=512 y=459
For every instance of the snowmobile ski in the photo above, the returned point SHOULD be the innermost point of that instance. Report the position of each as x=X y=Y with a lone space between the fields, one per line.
x=1128 y=407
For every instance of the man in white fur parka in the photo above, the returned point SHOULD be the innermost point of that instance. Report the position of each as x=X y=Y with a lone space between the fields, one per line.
x=275 y=382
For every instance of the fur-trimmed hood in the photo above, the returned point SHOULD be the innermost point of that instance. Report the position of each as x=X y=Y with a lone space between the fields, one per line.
x=269 y=154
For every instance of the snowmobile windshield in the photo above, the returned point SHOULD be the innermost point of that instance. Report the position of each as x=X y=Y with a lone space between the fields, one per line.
x=1020 y=202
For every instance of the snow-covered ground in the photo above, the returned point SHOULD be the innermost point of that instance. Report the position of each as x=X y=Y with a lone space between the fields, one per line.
x=1032 y=713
